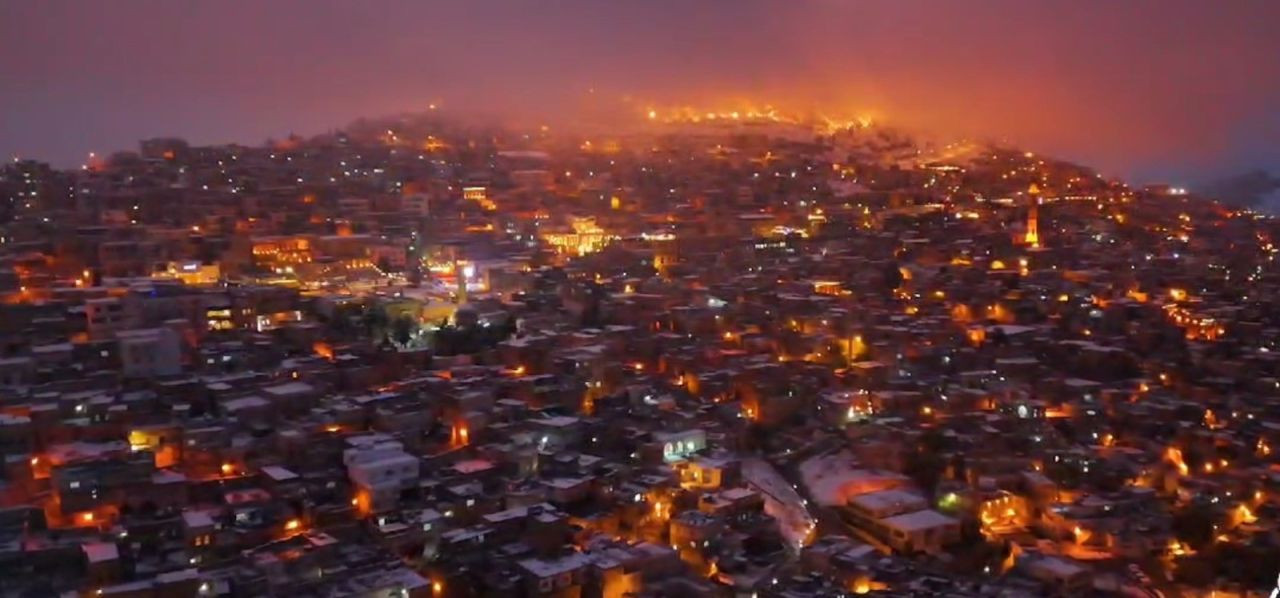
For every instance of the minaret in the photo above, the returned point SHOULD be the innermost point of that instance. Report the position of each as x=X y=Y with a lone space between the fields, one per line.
x=1032 y=237
x=460 y=273
x=413 y=255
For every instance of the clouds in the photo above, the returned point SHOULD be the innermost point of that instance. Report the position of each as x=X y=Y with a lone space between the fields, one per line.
x=1145 y=88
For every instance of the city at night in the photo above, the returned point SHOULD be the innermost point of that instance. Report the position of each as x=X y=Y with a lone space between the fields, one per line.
x=612 y=299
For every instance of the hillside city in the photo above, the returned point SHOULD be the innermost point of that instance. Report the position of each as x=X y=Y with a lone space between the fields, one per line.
x=726 y=353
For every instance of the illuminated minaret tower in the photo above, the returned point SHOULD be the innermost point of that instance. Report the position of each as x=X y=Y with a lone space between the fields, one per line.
x=460 y=273
x=1032 y=236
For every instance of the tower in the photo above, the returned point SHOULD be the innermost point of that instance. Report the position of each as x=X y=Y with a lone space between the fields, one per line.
x=1032 y=235
x=460 y=273
x=413 y=256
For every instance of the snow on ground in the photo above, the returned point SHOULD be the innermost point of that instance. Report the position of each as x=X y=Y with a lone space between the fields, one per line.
x=780 y=501
x=832 y=479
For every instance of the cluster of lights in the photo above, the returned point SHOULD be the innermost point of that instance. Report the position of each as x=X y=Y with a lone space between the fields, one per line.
x=767 y=114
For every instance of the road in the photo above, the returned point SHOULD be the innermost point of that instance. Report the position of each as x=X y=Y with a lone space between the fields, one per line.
x=781 y=501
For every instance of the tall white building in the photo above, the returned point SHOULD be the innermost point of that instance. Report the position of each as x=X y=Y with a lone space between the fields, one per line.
x=380 y=469
x=149 y=352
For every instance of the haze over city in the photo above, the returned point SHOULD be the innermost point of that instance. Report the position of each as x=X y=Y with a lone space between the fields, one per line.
x=1178 y=91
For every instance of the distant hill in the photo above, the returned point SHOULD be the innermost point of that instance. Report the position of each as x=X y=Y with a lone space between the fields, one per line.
x=1254 y=189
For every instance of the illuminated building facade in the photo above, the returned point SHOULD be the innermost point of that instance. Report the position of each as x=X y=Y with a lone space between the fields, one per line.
x=584 y=237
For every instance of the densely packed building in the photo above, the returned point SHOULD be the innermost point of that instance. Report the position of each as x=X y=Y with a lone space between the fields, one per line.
x=722 y=354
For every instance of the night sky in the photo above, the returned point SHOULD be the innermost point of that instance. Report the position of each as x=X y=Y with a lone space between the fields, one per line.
x=1175 y=90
